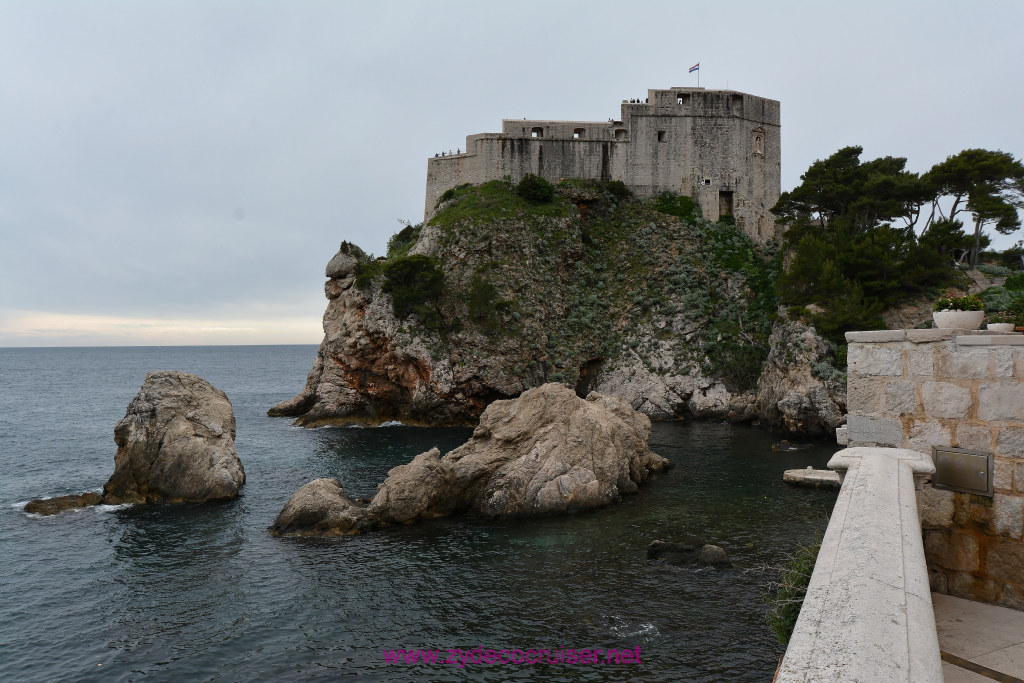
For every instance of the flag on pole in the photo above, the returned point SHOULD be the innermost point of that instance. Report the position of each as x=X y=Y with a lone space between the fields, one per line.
x=695 y=67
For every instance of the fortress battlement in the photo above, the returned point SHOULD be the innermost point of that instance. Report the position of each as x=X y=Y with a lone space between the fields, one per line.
x=720 y=147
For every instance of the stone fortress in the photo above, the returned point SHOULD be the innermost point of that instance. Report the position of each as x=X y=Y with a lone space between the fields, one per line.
x=720 y=147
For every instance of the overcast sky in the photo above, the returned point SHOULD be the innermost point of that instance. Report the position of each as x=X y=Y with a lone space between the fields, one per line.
x=180 y=172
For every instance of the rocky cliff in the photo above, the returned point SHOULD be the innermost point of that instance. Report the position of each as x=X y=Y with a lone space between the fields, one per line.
x=639 y=299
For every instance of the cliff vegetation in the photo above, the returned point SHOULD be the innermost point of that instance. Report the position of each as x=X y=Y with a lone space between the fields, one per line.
x=508 y=287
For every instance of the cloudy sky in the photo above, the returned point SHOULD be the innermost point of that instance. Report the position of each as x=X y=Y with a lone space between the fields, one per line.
x=180 y=172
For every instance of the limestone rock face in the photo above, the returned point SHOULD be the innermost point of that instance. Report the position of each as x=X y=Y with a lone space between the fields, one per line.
x=592 y=292
x=176 y=443
x=547 y=451
x=367 y=370
x=664 y=396
x=790 y=397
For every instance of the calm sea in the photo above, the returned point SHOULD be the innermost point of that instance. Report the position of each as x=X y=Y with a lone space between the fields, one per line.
x=203 y=592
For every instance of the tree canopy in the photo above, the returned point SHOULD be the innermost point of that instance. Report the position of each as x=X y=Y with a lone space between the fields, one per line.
x=988 y=185
x=848 y=261
x=863 y=193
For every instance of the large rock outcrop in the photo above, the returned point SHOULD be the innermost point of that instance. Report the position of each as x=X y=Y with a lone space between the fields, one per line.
x=799 y=391
x=546 y=452
x=592 y=291
x=176 y=443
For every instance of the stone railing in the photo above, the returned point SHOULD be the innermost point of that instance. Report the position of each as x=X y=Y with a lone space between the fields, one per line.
x=867 y=615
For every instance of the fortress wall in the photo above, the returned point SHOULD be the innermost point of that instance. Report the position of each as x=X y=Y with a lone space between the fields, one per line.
x=444 y=173
x=496 y=157
x=689 y=141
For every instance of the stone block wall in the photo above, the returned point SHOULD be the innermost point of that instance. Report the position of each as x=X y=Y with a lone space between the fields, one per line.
x=921 y=388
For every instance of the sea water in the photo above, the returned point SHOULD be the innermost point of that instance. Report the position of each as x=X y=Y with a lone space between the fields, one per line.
x=204 y=592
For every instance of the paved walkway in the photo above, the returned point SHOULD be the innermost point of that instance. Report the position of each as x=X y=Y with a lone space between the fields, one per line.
x=980 y=643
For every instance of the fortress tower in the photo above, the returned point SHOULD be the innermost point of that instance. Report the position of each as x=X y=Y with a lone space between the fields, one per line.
x=720 y=147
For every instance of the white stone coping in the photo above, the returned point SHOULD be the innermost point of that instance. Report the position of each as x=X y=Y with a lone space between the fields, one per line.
x=868 y=612
x=991 y=340
x=962 y=337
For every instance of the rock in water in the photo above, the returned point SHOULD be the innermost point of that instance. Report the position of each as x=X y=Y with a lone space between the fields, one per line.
x=547 y=451
x=679 y=554
x=422 y=488
x=176 y=443
x=321 y=508
x=551 y=451
x=53 y=506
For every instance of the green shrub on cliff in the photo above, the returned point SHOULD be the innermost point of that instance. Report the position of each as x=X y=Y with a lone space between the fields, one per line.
x=367 y=271
x=617 y=189
x=484 y=306
x=492 y=200
x=739 y=328
x=415 y=284
x=402 y=241
x=535 y=189
x=677 y=205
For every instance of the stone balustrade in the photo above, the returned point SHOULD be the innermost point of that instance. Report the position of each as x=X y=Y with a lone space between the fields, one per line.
x=868 y=613
x=893 y=537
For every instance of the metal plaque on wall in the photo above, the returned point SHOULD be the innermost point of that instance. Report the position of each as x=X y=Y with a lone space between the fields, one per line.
x=958 y=469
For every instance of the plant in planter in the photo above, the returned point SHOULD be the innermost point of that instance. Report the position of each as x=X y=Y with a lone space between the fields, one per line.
x=958 y=312
x=1003 y=321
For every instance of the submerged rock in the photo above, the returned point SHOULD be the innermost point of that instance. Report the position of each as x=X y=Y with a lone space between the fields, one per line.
x=53 y=506
x=547 y=451
x=789 y=446
x=680 y=554
x=176 y=443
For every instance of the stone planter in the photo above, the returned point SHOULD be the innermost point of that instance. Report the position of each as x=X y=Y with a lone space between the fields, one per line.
x=958 y=320
x=1005 y=328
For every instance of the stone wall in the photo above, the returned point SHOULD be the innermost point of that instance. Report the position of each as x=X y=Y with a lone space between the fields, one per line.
x=921 y=388
x=721 y=147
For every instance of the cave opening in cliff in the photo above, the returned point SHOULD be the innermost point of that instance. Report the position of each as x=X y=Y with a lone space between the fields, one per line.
x=588 y=377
